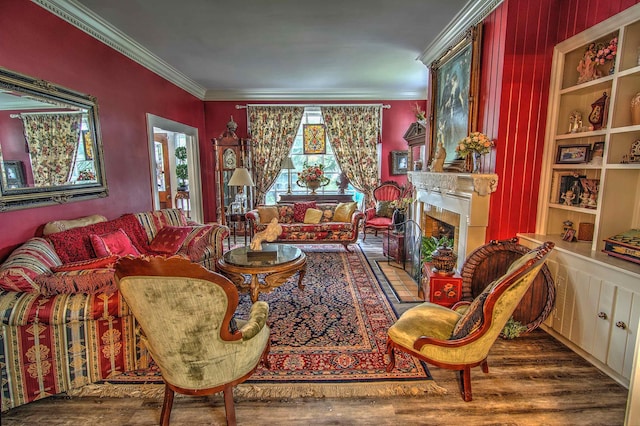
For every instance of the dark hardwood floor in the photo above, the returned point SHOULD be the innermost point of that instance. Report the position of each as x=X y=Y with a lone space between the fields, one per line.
x=532 y=380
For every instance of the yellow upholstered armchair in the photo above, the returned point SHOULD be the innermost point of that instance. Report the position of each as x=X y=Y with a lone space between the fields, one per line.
x=460 y=338
x=186 y=316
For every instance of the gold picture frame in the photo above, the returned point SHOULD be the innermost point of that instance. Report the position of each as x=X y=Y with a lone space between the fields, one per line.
x=455 y=84
x=314 y=138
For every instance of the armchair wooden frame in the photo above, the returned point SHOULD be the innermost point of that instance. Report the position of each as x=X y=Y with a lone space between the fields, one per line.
x=524 y=272
x=183 y=268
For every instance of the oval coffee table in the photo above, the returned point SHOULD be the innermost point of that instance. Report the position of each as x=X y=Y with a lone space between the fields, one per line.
x=267 y=269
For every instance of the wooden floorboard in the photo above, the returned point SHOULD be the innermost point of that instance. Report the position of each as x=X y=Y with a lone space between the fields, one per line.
x=532 y=380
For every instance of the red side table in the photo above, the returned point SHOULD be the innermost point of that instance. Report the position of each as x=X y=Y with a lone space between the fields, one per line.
x=444 y=290
x=393 y=245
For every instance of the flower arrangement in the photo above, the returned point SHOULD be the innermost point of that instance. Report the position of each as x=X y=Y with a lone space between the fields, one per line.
x=402 y=203
x=419 y=113
x=86 y=175
x=312 y=173
x=476 y=142
x=607 y=52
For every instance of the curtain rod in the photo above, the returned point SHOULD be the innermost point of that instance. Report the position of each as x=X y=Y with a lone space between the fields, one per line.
x=45 y=113
x=312 y=105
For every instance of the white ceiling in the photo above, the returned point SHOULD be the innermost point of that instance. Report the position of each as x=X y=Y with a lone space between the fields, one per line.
x=279 y=49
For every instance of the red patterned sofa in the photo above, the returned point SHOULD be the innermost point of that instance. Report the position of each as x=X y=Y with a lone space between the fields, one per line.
x=64 y=324
x=310 y=222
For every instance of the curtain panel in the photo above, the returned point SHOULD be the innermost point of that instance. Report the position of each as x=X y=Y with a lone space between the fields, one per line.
x=354 y=133
x=273 y=130
x=53 y=141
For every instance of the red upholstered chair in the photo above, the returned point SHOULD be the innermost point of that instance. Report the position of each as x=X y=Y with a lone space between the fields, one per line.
x=379 y=217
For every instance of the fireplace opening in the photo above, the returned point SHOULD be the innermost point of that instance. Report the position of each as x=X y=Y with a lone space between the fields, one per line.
x=441 y=224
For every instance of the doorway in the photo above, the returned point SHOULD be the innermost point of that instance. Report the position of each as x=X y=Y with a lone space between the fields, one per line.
x=175 y=166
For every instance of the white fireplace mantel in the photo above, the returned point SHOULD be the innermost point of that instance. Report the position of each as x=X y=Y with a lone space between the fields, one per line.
x=465 y=194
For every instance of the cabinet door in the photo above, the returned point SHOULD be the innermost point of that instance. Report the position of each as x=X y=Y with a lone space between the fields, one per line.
x=624 y=331
x=604 y=319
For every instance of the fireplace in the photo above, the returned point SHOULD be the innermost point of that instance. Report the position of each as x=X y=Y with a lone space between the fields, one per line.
x=456 y=204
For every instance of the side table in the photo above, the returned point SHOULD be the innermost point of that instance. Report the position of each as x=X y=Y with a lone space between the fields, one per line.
x=238 y=225
x=393 y=245
x=444 y=290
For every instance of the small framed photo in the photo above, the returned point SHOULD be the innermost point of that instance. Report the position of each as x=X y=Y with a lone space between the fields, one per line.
x=569 y=235
x=572 y=154
x=399 y=162
x=13 y=172
x=597 y=151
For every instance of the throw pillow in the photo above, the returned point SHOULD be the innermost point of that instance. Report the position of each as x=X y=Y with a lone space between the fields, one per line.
x=267 y=213
x=473 y=319
x=299 y=209
x=169 y=239
x=102 y=262
x=115 y=242
x=312 y=216
x=196 y=243
x=384 y=209
x=31 y=259
x=344 y=211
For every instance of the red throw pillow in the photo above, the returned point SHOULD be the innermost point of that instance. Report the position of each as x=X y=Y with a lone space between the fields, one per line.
x=103 y=262
x=169 y=239
x=299 y=210
x=116 y=242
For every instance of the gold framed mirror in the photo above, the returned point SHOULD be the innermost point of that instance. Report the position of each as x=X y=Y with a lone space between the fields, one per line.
x=50 y=144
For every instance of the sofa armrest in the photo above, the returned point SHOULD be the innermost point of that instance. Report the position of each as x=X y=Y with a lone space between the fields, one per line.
x=216 y=237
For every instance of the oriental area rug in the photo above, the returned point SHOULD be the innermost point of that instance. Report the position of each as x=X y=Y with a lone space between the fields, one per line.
x=327 y=340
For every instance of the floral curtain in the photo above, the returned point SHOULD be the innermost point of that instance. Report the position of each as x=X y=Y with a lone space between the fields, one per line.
x=354 y=132
x=52 y=140
x=273 y=130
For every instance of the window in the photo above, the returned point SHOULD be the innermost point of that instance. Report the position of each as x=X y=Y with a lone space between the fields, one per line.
x=312 y=115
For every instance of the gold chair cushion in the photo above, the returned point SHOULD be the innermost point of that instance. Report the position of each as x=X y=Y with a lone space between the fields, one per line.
x=312 y=216
x=268 y=213
x=344 y=211
x=426 y=319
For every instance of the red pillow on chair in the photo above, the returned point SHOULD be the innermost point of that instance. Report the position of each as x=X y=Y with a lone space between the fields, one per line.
x=116 y=242
x=299 y=210
x=169 y=239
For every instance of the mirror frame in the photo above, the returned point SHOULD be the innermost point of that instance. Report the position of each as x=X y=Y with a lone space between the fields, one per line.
x=24 y=198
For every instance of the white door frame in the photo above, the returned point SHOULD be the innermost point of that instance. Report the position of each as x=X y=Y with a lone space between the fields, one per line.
x=193 y=161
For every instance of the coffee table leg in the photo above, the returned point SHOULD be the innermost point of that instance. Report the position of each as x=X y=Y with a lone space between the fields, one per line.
x=255 y=288
x=301 y=275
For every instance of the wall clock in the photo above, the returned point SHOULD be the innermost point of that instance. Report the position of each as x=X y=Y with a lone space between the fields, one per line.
x=597 y=115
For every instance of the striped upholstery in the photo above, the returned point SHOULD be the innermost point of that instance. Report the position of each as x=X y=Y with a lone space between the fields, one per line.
x=53 y=343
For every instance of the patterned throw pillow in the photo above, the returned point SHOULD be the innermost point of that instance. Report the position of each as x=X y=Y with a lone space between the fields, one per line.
x=473 y=319
x=299 y=209
x=384 y=209
x=267 y=213
x=31 y=259
x=344 y=211
x=103 y=262
x=196 y=242
x=312 y=216
x=116 y=242
x=169 y=239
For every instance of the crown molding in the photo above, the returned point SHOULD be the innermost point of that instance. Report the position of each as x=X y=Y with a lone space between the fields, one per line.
x=471 y=14
x=288 y=95
x=86 y=20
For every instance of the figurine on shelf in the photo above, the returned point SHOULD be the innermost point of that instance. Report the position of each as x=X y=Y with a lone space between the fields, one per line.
x=584 y=199
x=568 y=197
x=437 y=165
x=575 y=122
x=587 y=70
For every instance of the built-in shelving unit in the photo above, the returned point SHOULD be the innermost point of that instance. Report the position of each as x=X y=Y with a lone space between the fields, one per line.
x=597 y=308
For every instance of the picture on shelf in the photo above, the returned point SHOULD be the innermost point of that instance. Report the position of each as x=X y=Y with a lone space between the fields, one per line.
x=570 y=189
x=569 y=235
x=572 y=154
x=596 y=154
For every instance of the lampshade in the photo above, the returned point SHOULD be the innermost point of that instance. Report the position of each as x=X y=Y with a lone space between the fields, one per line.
x=287 y=164
x=241 y=177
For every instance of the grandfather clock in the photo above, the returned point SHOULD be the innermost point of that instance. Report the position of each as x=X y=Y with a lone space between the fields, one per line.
x=232 y=154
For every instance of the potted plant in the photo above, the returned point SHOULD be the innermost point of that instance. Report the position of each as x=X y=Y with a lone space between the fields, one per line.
x=182 y=171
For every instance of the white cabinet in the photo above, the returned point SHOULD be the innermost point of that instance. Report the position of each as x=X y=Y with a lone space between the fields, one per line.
x=597 y=309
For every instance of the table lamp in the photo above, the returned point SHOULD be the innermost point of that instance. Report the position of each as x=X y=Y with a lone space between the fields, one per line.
x=241 y=178
x=287 y=164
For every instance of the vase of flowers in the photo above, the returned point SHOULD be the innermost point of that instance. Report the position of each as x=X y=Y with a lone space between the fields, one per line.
x=607 y=53
x=312 y=177
x=473 y=147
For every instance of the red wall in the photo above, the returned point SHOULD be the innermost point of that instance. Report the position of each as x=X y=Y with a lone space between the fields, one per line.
x=517 y=53
x=37 y=43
